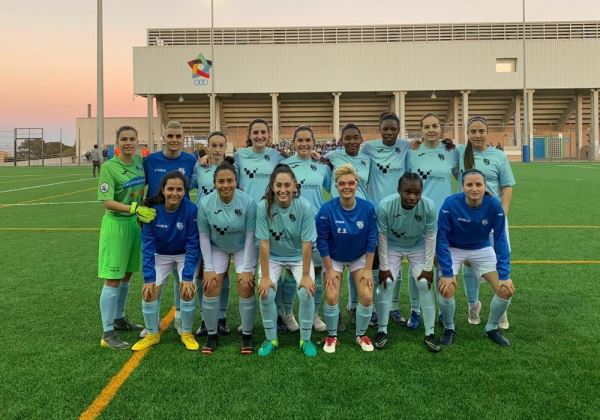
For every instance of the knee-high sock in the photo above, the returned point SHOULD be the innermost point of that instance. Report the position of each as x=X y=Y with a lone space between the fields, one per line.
x=199 y=295
x=224 y=296
x=289 y=292
x=318 y=291
x=384 y=304
x=471 y=282
x=363 y=316
x=210 y=312
x=247 y=313
x=352 y=293
x=331 y=314
x=268 y=312
x=188 y=310
x=151 y=312
x=306 y=313
x=427 y=301
x=497 y=308
x=396 y=292
x=374 y=297
x=176 y=297
x=447 y=307
x=122 y=299
x=413 y=294
x=279 y=295
x=108 y=306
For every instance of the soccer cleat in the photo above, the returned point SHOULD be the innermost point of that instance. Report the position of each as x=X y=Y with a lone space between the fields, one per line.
x=291 y=323
x=247 y=345
x=473 y=314
x=447 y=337
x=341 y=327
x=432 y=343
x=240 y=329
x=497 y=337
x=414 y=321
x=331 y=343
x=222 y=327
x=202 y=331
x=189 y=341
x=373 y=322
x=308 y=348
x=365 y=343
x=352 y=315
x=177 y=325
x=381 y=340
x=143 y=333
x=148 y=341
x=110 y=340
x=397 y=318
x=503 y=322
x=211 y=344
x=281 y=327
x=268 y=347
x=318 y=324
x=123 y=324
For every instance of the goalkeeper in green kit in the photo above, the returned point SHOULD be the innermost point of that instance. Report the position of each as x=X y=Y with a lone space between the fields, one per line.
x=121 y=189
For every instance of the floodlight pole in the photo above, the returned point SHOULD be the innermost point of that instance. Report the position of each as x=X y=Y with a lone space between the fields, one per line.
x=213 y=113
x=528 y=135
x=99 y=81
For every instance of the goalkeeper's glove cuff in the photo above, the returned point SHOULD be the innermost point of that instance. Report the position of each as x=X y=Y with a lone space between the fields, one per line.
x=133 y=207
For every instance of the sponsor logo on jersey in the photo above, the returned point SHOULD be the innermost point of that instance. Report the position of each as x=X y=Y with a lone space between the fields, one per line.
x=138 y=180
x=418 y=217
x=104 y=187
x=423 y=174
x=398 y=235
x=220 y=230
x=276 y=235
x=161 y=170
x=360 y=224
x=206 y=191
x=462 y=219
x=179 y=226
x=342 y=230
x=383 y=168
x=162 y=226
x=339 y=222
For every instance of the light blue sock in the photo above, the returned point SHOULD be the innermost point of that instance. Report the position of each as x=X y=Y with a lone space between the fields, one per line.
x=396 y=292
x=188 y=310
x=363 y=316
x=471 y=282
x=151 y=311
x=199 y=295
x=374 y=297
x=224 y=296
x=210 y=313
x=108 y=306
x=279 y=296
x=331 y=315
x=247 y=313
x=176 y=297
x=352 y=293
x=289 y=292
x=413 y=294
x=306 y=313
x=122 y=299
x=268 y=312
x=497 y=308
x=427 y=306
x=318 y=292
x=384 y=304
x=447 y=307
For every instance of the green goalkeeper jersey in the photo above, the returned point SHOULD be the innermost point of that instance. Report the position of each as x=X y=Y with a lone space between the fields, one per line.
x=121 y=182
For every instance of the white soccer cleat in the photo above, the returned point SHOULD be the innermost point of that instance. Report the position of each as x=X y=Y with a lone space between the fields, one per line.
x=330 y=344
x=365 y=343
x=318 y=324
x=473 y=314
x=503 y=322
x=291 y=323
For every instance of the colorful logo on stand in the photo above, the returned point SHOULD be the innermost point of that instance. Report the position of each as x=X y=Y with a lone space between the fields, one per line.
x=200 y=69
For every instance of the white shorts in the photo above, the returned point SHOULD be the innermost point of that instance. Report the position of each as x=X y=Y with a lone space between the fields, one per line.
x=482 y=260
x=506 y=230
x=165 y=264
x=416 y=261
x=357 y=264
x=276 y=267
x=316 y=258
x=221 y=260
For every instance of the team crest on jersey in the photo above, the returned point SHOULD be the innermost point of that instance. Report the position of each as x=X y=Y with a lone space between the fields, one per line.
x=182 y=170
x=360 y=224
x=179 y=226
x=397 y=150
x=484 y=222
x=418 y=217
x=486 y=161
x=267 y=157
x=104 y=187
x=292 y=217
x=313 y=167
x=238 y=212
x=363 y=162
x=441 y=156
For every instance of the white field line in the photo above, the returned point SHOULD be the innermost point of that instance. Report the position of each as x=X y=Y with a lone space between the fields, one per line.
x=48 y=204
x=45 y=185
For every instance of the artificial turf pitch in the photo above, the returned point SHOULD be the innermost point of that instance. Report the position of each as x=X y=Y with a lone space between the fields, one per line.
x=52 y=364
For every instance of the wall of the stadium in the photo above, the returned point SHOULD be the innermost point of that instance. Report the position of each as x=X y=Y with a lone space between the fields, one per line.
x=376 y=67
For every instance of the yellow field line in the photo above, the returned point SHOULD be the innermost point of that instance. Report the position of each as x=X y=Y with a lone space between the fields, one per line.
x=555 y=227
x=564 y=262
x=110 y=390
x=48 y=229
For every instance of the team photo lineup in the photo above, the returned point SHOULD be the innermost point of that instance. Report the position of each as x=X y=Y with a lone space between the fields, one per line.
x=305 y=226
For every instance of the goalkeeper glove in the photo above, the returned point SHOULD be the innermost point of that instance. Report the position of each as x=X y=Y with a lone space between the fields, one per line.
x=143 y=213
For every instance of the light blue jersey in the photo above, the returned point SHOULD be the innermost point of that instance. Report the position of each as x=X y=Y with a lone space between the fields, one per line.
x=312 y=178
x=436 y=167
x=388 y=164
x=406 y=229
x=254 y=170
x=203 y=179
x=494 y=165
x=360 y=162
x=227 y=224
x=286 y=229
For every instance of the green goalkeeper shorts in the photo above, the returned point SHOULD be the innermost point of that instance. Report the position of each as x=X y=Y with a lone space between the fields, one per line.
x=119 y=249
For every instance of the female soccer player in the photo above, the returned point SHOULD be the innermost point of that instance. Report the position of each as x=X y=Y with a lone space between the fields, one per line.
x=285 y=227
x=493 y=163
x=170 y=242
x=407 y=228
x=121 y=188
x=464 y=226
x=312 y=178
x=347 y=236
x=226 y=222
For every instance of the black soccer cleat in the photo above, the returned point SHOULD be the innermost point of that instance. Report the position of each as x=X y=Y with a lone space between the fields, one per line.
x=222 y=327
x=247 y=345
x=381 y=340
x=211 y=344
x=497 y=337
x=202 y=331
x=123 y=324
x=447 y=338
x=432 y=343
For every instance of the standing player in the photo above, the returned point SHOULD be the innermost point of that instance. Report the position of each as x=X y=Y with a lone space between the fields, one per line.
x=121 y=189
x=226 y=221
x=285 y=227
x=170 y=243
x=347 y=236
x=312 y=178
x=464 y=226
x=407 y=228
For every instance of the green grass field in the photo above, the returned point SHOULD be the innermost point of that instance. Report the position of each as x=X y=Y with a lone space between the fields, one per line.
x=52 y=364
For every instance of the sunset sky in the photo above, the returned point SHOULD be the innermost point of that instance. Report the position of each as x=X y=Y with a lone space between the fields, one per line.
x=48 y=48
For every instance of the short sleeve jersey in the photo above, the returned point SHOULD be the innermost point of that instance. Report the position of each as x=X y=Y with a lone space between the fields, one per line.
x=227 y=224
x=406 y=229
x=254 y=170
x=157 y=165
x=286 y=229
x=494 y=165
x=203 y=179
x=312 y=177
x=435 y=166
x=360 y=162
x=388 y=164
x=121 y=182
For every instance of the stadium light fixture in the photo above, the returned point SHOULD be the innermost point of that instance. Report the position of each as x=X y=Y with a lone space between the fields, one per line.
x=433 y=95
x=180 y=98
